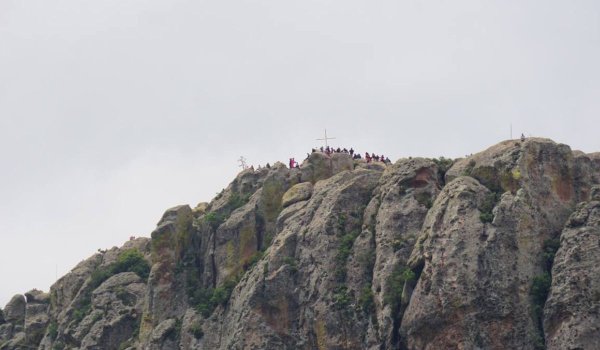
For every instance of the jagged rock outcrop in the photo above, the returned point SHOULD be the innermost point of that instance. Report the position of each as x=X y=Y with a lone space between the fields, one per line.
x=345 y=254
x=572 y=312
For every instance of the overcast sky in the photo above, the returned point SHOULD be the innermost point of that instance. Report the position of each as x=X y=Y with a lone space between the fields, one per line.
x=112 y=111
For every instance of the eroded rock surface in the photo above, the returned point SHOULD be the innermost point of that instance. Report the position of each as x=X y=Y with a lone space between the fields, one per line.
x=344 y=254
x=572 y=312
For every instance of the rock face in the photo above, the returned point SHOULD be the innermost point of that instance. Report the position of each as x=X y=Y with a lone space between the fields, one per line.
x=298 y=192
x=572 y=312
x=495 y=251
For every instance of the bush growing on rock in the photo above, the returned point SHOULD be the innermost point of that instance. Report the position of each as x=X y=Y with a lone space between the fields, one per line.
x=393 y=294
x=235 y=201
x=130 y=260
x=366 y=300
x=540 y=288
x=341 y=298
x=53 y=330
x=539 y=293
x=487 y=207
x=214 y=220
x=196 y=330
x=207 y=299
x=550 y=248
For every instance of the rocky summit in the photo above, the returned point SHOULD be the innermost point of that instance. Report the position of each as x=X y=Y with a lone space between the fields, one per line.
x=498 y=250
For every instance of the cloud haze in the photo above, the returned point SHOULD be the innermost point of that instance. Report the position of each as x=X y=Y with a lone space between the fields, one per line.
x=112 y=111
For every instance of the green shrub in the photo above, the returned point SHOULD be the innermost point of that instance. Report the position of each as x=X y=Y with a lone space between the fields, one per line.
x=214 y=220
x=130 y=260
x=99 y=276
x=343 y=253
x=486 y=217
x=539 y=293
x=424 y=199
x=341 y=222
x=550 y=248
x=487 y=207
x=469 y=168
x=236 y=201
x=53 y=330
x=207 y=299
x=58 y=346
x=83 y=309
x=201 y=298
x=366 y=300
x=341 y=298
x=540 y=288
x=393 y=294
x=443 y=165
x=291 y=262
x=196 y=330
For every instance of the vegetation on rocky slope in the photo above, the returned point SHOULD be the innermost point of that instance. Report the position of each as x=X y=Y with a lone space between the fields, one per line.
x=481 y=252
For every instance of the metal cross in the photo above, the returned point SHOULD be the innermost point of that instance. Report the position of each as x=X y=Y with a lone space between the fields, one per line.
x=243 y=164
x=326 y=138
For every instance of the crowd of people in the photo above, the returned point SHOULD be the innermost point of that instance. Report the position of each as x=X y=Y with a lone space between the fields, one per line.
x=368 y=157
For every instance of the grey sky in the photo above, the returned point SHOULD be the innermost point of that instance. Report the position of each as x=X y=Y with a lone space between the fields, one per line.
x=112 y=111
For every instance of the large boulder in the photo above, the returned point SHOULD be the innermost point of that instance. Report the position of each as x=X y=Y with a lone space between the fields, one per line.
x=14 y=311
x=297 y=193
x=36 y=316
x=320 y=166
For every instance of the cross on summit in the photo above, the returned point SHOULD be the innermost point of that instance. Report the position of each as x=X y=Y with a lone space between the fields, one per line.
x=326 y=138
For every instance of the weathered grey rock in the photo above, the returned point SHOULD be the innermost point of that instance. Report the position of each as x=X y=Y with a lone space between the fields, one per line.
x=394 y=218
x=490 y=267
x=14 y=311
x=344 y=254
x=35 y=296
x=595 y=193
x=165 y=335
x=64 y=291
x=172 y=237
x=320 y=166
x=36 y=316
x=297 y=193
x=572 y=311
x=17 y=342
x=287 y=299
x=200 y=208
x=6 y=332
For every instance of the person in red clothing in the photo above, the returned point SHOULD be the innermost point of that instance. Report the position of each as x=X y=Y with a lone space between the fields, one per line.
x=368 y=157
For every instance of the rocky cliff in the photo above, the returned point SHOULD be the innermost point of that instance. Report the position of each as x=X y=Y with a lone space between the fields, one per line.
x=500 y=250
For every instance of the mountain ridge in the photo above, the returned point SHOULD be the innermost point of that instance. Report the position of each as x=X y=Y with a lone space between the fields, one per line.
x=478 y=252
